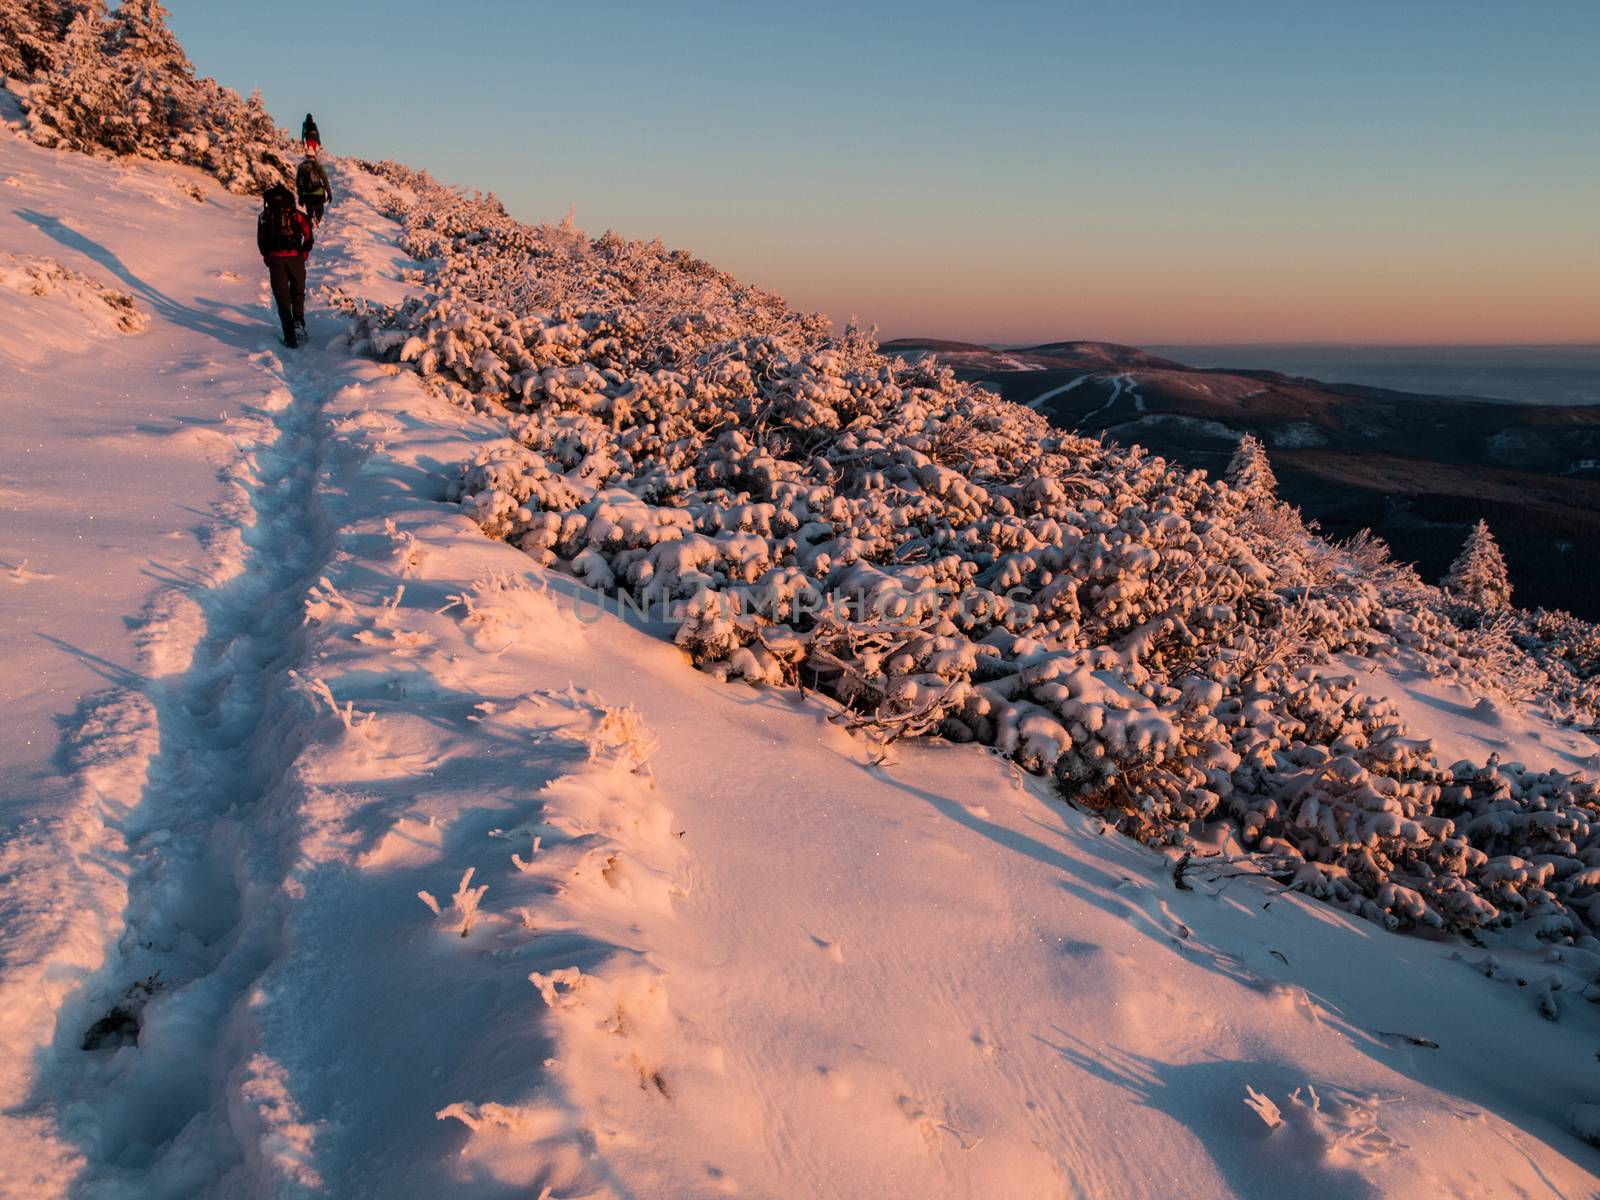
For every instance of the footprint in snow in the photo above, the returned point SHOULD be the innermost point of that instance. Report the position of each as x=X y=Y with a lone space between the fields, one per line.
x=930 y=1125
x=831 y=950
x=838 y=1083
x=22 y=573
x=1147 y=902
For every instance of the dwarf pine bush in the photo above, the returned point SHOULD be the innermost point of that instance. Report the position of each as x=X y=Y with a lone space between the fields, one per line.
x=1161 y=645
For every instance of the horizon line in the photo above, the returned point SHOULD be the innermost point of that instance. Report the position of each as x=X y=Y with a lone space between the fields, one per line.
x=1331 y=345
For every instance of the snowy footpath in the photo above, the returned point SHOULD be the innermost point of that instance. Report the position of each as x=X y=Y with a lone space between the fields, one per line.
x=349 y=853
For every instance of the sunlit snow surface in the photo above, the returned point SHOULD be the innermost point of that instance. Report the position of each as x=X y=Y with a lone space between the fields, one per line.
x=263 y=687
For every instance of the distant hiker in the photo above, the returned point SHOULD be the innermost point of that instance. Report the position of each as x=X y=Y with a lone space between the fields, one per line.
x=309 y=135
x=311 y=182
x=283 y=235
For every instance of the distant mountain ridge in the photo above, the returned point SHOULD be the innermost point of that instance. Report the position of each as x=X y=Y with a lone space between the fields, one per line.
x=1042 y=357
x=1417 y=469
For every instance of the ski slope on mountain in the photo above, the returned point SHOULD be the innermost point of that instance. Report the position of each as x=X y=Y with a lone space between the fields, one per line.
x=267 y=688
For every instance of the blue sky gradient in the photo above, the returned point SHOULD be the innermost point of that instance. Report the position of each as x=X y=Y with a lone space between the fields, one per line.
x=1144 y=172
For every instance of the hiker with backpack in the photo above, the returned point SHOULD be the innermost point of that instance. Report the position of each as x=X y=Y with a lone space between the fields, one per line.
x=310 y=136
x=284 y=237
x=311 y=182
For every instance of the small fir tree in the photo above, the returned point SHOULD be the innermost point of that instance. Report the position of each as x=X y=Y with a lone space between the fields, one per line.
x=1478 y=576
x=1249 y=471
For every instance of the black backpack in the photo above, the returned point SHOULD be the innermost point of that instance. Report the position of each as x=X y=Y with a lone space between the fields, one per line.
x=281 y=219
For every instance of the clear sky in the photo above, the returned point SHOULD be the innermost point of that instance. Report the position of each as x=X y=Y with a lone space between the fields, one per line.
x=1396 y=171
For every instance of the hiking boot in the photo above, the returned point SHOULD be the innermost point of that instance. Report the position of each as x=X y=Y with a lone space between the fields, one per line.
x=290 y=340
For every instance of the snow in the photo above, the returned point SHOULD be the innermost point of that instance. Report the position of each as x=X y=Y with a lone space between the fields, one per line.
x=114 y=513
x=266 y=687
x=1463 y=724
x=1119 y=384
x=1128 y=431
x=1040 y=400
x=1298 y=435
x=1009 y=362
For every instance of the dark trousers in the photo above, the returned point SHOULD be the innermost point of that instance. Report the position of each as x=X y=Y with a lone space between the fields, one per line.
x=314 y=206
x=288 y=274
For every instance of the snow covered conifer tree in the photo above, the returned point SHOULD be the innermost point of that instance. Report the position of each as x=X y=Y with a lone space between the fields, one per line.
x=157 y=76
x=243 y=147
x=1249 y=471
x=29 y=33
x=138 y=32
x=121 y=83
x=82 y=103
x=17 y=29
x=1478 y=576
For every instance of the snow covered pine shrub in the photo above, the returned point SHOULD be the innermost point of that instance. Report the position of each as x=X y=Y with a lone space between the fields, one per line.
x=118 y=83
x=1158 y=644
x=1478 y=578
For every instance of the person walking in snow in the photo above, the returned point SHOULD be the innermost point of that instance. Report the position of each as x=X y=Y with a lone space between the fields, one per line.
x=284 y=237
x=309 y=135
x=311 y=182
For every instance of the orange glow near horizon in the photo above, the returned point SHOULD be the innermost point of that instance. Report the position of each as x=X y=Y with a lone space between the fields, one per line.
x=1161 y=173
x=1447 y=290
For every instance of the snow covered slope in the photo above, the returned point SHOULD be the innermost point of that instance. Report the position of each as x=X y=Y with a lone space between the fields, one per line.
x=125 y=460
x=1467 y=726
x=266 y=687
